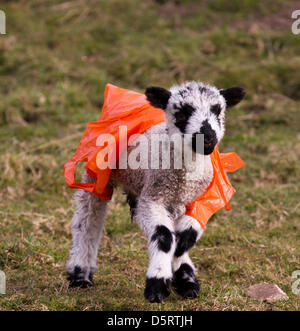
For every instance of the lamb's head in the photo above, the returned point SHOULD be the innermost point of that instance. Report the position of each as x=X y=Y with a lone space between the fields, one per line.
x=196 y=108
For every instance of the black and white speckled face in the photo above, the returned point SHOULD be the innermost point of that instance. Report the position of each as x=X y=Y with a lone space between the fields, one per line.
x=196 y=108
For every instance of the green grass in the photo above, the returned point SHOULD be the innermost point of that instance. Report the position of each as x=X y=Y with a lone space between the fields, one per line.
x=55 y=60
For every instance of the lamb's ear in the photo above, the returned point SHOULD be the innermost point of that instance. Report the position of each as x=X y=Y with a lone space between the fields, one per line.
x=233 y=95
x=158 y=96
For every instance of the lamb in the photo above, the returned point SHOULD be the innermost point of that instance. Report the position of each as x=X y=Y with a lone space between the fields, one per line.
x=158 y=197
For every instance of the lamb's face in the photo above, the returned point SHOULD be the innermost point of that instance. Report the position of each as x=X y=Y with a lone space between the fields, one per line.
x=195 y=108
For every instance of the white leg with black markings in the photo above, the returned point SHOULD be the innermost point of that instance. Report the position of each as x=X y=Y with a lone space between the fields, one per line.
x=87 y=228
x=158 y=226
x=188 y=231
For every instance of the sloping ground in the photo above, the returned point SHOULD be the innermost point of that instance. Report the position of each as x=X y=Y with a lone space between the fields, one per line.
x=55 y=60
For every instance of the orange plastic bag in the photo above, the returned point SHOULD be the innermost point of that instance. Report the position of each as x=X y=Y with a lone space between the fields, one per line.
x=220 y=191
x=131 y=109
x=121 y=107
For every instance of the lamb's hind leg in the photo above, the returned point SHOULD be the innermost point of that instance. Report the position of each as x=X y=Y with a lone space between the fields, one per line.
x=87 y=227
x=188 y=231
x=156 y=223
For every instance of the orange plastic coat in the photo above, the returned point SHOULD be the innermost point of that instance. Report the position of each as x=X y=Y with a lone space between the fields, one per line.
x=131 y=109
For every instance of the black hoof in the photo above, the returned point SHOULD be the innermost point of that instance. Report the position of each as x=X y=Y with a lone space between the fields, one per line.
x=157 y=289
x=77 y=278
x=185 y=282
x=81 y=283
x=189 y=290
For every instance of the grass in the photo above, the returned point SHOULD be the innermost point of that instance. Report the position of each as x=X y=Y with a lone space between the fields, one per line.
x=55 y=60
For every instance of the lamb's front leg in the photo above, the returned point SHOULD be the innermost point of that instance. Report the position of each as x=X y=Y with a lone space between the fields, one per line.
x=158 y=226
x=188 y=231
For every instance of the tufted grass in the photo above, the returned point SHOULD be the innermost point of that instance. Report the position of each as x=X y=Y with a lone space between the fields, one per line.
x=55 y=60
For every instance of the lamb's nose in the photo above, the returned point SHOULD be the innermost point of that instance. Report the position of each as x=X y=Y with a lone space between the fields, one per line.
x=208 y=139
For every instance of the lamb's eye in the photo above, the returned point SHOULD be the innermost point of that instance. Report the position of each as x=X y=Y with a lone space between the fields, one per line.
x=216 y=109
x=180 y=117
x=187 y=110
